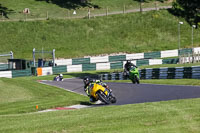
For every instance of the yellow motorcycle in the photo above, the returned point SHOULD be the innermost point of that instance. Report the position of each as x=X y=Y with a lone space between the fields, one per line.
x=102 y=93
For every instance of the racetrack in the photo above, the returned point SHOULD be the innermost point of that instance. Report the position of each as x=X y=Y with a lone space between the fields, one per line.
x=128 y=93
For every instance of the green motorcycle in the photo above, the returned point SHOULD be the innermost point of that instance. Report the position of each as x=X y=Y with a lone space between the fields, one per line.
x=134 y=75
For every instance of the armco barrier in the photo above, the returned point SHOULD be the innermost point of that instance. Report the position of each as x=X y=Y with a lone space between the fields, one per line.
x=41 y=71
x=80 y=61
x=117 y=58
x=21 y=73
x=6 y=74
x=59 y=69
x=89 y=67
x=124 y=57
x=160 y=73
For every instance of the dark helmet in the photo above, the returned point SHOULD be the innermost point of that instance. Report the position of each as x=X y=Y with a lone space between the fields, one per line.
x=128 y=61
x=86 y=80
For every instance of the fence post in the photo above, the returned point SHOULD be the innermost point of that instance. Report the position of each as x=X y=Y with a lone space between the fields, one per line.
x=11 y=55
x=47 y=15
x=54 y=57
x=141 y=5
x=106 y=11
x=156 y=5
x=2 y=15
x=68 y=12
x=88 y=13
x=34 y=57
x=124 y=10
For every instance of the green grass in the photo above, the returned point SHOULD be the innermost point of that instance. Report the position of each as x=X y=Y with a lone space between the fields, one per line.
x=178 y=116
x=170 y=65
x=130 y=33
x=20 y=95
x=62 y=9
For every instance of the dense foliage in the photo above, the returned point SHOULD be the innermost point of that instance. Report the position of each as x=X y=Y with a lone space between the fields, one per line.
x=189 y=9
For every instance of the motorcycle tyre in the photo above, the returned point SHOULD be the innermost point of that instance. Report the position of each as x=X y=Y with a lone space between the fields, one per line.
x=137 y=80
x=133 y=81
x=102 y=97
x=113 y=100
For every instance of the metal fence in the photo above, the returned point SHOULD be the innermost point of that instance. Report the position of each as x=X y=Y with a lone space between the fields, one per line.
x=87 y=12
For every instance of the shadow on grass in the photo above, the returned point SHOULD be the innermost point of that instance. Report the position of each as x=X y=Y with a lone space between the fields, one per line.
x=5 y=11
x=72 y=4
x=92 y=104
x=85 y=103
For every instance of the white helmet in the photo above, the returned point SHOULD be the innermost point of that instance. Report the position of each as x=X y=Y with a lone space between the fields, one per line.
x=61 y=75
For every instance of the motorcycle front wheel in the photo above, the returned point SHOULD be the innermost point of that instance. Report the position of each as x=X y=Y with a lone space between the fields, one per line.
x=137 y=80
x=102 y=97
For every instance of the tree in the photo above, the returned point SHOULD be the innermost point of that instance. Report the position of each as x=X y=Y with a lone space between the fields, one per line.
x=72 y=4
x=189 y=9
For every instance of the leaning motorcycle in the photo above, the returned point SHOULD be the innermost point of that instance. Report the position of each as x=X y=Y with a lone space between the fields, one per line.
x=102 y=93
x=134 y=75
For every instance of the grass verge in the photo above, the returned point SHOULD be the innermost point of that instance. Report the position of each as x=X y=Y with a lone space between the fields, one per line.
x=179 y=116
x=128 y=33
x=21 y=95
x=65 y=9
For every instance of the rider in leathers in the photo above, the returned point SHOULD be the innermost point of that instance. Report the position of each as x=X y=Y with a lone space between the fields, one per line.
x=128 y=65
x=88 y=84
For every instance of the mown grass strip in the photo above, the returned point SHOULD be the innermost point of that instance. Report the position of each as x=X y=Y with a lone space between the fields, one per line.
x=180 y=116
x=21 y=95
x=130 y=33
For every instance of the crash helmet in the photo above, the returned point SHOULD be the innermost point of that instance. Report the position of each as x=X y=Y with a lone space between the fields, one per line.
x=86 y=80
x=128 y=61
x=60 y=75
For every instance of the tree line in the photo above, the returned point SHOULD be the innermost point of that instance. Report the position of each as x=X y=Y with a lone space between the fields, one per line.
x=189 y=9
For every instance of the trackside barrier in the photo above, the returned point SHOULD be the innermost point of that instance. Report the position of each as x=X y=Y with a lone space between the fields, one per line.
x=21 y=73
x=47 y=71
x=160 y=73
x=42 y=71
x=124 y=57
x=6 y=74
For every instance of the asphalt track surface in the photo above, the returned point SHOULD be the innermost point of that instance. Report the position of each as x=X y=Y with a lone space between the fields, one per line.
x=128 y=93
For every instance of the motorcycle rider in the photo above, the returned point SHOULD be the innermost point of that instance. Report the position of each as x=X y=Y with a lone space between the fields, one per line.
x=59 y=77
x=88 y=84
x=128 y=65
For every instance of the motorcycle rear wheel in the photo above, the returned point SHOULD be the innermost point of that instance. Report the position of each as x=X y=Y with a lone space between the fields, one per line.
x=102 y=97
